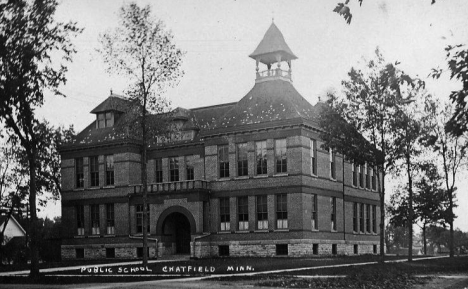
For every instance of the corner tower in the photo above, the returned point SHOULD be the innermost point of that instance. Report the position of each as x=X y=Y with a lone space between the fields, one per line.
x=273 y=49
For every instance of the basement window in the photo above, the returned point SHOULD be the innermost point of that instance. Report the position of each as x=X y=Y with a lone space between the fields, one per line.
x=223 y=250
x=282 y=249
x=79 y=253
x=110 y=253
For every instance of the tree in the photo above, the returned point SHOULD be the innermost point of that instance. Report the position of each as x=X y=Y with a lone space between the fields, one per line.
x=344 y=10
x=359 y=125
x=141 y=49
x=33 y=52
x=452 y=151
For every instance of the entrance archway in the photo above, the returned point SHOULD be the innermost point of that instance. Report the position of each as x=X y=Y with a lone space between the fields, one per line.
x=176 y=231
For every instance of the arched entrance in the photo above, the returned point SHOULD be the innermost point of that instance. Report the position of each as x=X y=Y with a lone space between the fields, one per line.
x=176 y=231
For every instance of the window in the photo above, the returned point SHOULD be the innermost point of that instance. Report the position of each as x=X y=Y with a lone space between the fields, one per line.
x=361 y=218
x=242 y=162
x=313 y=157
x=367 y=171
x=332 y=164
x=159 y=170
x=361 y=176
x=109 y=170
x=139 y=218
x=80 y=220
x=315 y=248
x=79 y=253
x=110 y=253
x=243 y=213
x=223 y=159
x=95 y=220
x=374 y=219
x=282 y=211
x=368 y=218
x=282 y=249
x=333 y=213
x=261 y=157
x=174 y=169
x=334 y=249
x=79 y=172
x=223 y=250
x=356 y=249
x=94 y=171
x=101 y=120
x=189 y=167
x=281 y=158
x=262 y=213
x=110 y=219
x=105 y=120
x=374 y=179
x=355 y=177
x=374 y=249
x=314 y=213
x=140 y=252
x=224 y=214
x=355 y=217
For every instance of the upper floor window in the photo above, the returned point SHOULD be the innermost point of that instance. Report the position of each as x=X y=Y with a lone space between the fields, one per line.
x=367 y=170
x=361 y=176
x=333 y=213
x=354 y=167
x=261 y=157
x=224 y=214
x=79 y=173
x=174 y=169
x=313 y=157
x=110 y=219
x=109 y=170
x=374 y=179
x=139 y=218
x=368 y=218
x=94 y=171
x=80 y=220
x=243 y=213
x=95 y=220
x=190 y=172
x=262 y=212
x=242 y=162
x=105 y=120
x=223 y=159
x=281 y=156
x=332 y=164
x=159 y=170
x=282 y=211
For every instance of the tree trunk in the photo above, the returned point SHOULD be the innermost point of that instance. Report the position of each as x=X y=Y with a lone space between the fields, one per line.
x=382 y=219
x=410 y=213
x=34 y=273
x=424 y=238
x=144 y=181
x=452 y=251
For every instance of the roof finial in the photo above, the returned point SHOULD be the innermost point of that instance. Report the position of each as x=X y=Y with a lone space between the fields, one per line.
x=111 y=91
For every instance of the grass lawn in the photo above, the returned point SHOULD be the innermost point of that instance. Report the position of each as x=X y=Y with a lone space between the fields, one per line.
x=389 y=275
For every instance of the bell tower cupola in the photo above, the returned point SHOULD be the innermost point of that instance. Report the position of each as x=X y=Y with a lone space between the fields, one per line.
x=273 y=49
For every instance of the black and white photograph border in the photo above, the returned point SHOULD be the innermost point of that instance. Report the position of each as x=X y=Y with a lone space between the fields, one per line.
x=233 y=143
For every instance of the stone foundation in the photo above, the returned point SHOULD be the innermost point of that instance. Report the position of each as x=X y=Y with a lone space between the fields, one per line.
x=98 y=252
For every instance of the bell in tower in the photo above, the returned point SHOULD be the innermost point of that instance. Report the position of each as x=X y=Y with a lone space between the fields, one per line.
x=273 y=49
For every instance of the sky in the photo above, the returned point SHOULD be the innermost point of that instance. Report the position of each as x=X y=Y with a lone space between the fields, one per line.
x=218 y=35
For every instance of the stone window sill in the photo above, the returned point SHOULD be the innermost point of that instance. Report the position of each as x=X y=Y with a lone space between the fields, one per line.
x=281 y=230
x=94 y=188
x=94 y=236
x=242 y=232
x=109 y=187
x=79 y=236
x=260 y=176
x=242 y=178
x=314 y=230
x=109 y=236
x=78 y=189
x=261 y=231
x=281 y=175
x=224 y=179
x=224 y=232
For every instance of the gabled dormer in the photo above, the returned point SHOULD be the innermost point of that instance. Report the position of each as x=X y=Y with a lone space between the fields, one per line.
x=108 y=111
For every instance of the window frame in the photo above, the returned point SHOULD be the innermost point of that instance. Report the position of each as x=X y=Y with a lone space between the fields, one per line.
x=243 y=213
x=189 y=168
x=333 y=213
x=158 y=170
x=79 y=173
x=223 y=161
x=368 y=218
x=94 y=171
x=95 y=219
x=261 y=158
x=80 y=220
x=314 y=213
x=281 y=211
x=361 y=218
x=261 y=211
x=281 y=156
x=139 y=218
x=332 y=164
x=174 y=173
x=110 y=219
x=355 y=217
x=313 y=157
x=110 y=170
x=224 y=214
x=374 y=219
x=242 y=156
